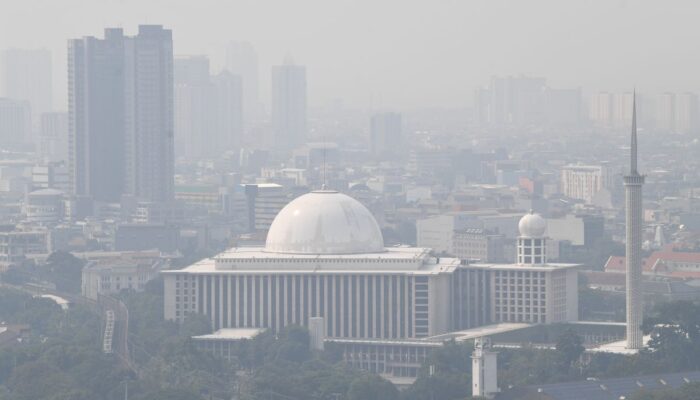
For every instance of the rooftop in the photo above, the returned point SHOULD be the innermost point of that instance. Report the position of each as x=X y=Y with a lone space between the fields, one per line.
x=231 y=334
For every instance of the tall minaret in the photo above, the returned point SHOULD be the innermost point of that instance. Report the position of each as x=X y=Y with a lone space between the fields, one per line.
x=633 y=247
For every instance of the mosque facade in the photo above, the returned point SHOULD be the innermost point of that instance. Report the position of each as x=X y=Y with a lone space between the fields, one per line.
x=325 y=257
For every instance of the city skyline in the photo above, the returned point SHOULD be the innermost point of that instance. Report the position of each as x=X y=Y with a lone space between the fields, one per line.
x=418 y=48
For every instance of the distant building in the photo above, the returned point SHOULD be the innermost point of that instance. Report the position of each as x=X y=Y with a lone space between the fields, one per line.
x=522 y=101
x=612 y=110
x=52 y=175
x=122 y=144
x=227 y=107
x=385 y=134
x=193 y=125
x=108 y=277
x=242 y=61
x=478 y=244
x=289 y=105
x=53 y=136
x=45 y=206
x=15 y=122
x=16 y=244
x=583 y=182
x=264 y=201
x=677 y=113
x=25 y=74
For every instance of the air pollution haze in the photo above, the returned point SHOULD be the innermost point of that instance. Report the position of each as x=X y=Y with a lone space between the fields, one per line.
x=349 y=200
x=400 y=53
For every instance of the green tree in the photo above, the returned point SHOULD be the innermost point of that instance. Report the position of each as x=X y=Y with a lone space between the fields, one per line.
x=372 y=387
x=570 y=347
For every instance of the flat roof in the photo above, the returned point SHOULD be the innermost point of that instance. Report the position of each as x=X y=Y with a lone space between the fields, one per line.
x=388 y=342
x=618 y=347
x=481 y=331
x=525 y=267
x=254 y=260
x=231 y=334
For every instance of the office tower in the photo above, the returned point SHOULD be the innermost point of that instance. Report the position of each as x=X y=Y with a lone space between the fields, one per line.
x=633 y=246
x=242 y=60
x=385 y=134
x=227 y=99
x=15 y=122
x=53 y=136
x=192 y=108
x=289 y=105
x=687 y=113
x=26 y=75
x=120 y=115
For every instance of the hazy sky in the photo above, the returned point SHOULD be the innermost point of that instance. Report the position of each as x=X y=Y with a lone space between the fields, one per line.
x=400 y=53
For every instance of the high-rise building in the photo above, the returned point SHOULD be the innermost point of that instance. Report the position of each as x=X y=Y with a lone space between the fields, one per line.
x=385 y=137
x=289 y=105
x=677 y=112
x=242 y=60
x=227 y=99
x=25 y=74
x=633 y=246
x=192 y=108
x=120 y=108
x=583 y=182
x=15 y=122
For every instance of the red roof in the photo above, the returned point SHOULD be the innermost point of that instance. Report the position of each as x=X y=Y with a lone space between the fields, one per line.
x=655 y=262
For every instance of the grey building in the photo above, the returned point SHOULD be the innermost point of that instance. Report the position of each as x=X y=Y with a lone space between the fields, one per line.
x=385 y=134
x=120 y=115
x=289 y=105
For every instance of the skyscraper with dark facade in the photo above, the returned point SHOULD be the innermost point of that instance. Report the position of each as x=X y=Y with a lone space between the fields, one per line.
x=120 y=106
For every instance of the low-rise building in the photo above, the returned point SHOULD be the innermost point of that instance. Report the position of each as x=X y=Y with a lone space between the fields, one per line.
x=109 y=277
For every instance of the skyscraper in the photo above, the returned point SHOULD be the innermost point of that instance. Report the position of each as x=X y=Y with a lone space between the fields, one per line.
x=289 y=105
x=120 y=107
x=242 y=60
x=25 y=74
x=227 y=99
x=192 y=133
x=633 y=246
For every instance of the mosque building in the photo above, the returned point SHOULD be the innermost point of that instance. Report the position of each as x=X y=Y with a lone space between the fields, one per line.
x=325 y=257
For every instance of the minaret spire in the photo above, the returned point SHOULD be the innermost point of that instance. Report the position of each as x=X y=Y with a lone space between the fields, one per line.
x=633 y=146
x=634 y=224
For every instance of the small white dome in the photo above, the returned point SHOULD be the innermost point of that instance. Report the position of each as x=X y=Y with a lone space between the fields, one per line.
x=324 y=222
x=532 y=225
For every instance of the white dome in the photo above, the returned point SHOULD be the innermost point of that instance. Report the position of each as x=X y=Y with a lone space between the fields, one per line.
x=324 y=222
x=532 y=225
